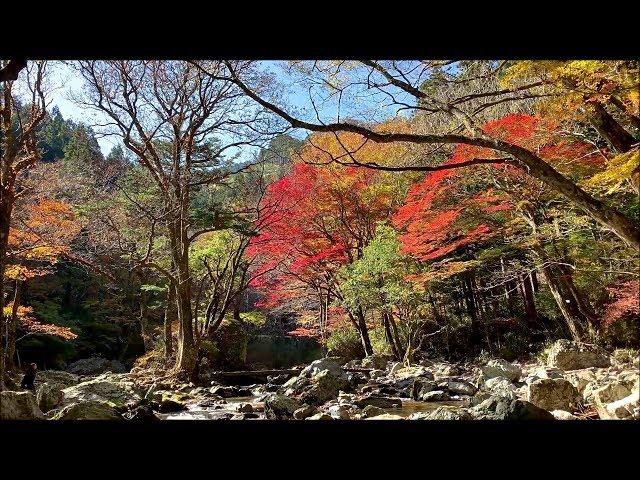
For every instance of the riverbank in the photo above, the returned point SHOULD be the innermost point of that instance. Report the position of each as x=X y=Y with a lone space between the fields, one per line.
x=573 y=382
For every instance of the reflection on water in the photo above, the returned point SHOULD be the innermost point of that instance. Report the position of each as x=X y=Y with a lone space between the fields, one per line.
x=197 y=412
x=282 y=352
x=228 y=410
x=412 y=406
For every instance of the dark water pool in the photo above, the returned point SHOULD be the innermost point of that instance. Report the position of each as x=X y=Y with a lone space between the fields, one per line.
x=282 y=352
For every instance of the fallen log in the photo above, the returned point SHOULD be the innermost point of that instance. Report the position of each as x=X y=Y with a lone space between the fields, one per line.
x=266 y=373
x=255 y=373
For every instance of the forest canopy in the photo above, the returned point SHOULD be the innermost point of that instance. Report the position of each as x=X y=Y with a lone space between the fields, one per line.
x=451 y=208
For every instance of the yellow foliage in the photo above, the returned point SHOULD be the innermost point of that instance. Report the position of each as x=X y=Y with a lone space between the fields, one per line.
x=618 y=170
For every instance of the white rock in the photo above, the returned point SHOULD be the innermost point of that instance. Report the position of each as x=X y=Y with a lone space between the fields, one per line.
x=502 y=368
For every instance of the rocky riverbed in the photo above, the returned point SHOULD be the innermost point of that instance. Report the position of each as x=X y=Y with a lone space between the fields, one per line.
x=575 y=382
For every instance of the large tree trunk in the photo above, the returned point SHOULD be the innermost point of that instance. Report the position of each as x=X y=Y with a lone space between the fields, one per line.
x=6 y=205
x=609 y=129
x=360 y=325
x=12 y=327
x=607 y=216
x=472 y=310
x=168 y=319
x=529 y=299
x=388 y=333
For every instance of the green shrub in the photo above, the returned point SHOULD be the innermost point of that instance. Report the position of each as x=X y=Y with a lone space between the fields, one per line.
x=345 y=343
x=227 y=349
x=379 y=341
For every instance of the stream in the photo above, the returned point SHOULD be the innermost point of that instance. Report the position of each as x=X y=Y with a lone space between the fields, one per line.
x=228 y=411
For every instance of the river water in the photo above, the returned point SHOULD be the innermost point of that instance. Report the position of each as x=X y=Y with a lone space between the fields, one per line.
x=229 y=409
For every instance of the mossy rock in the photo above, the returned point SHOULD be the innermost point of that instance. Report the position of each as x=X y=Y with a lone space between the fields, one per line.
x=90 y=410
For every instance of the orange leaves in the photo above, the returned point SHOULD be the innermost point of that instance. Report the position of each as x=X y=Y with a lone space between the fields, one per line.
x=625 y=302
x=43 y=230
x=31 y=325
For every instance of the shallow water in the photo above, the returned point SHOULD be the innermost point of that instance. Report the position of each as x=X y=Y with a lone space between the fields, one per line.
x=227 y=410
x=413 y=406
x=196 y=412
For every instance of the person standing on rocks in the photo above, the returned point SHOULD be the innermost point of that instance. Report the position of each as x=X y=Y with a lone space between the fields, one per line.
x=29 y=377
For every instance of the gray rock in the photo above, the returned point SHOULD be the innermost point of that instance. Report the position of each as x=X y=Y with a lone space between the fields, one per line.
x=434 y=396
x=549 y=372
x=461 y=387
x=611 y=393
x=625 y=408
x=553 y=394
x=422 y=386
x=375 y=361
x=520 y=410
x=562 y=415
x=372 y=411
x=280 y=407
x=95 y=366
x=325 y=385
x=502 y=368
x=340 y=412
x=568 y=355
x=320 y=416
x=56 y=379
x=304 y=412
x=501 y=387
x=88 y=410
x=328 y=363
x=444 y=413
x=19 y=406
x=385 y=416
x=117 y=389
x=378 y=401
x=49 y=397
x=245 y=408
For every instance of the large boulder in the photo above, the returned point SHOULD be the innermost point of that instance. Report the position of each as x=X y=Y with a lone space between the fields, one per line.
x=461 y=387
x=375 y=361
x=305 y=411
x=501 y=387
x=422 y=386
x=19 y=406
x=625 y=408
x=502 y=368
x=95 y=366
x=56 y=378
x=581 y=378
x=88 y=410
x=501 y=408
x=553 y=394
x=372 y=411
x=49 y=397
x=325 y=385
x=568 y=355
x=613 y=392
x=378 y=401
x=444 y=413
x=328 y=363
x=117 y=389
x=280 y=407
x=167 y=401
x=563 y=415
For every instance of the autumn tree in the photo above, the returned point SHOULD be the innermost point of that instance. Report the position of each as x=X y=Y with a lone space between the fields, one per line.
x=22 y=108
x=179 y=123
x=443 y=114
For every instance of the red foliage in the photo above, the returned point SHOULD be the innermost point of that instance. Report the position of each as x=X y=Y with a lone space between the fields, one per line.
x=313 y=221
x=625 y=302
x=431 y=218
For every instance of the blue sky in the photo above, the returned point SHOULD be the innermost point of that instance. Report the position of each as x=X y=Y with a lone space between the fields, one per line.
x=68 y=83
